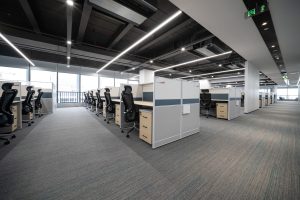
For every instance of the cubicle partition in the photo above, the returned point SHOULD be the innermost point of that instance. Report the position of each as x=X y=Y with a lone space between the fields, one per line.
x=175 y=111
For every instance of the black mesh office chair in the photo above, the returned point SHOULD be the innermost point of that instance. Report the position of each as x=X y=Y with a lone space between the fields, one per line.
x=99 y=103
x=93 y=101
x=86 y=102
x=205 y=101
x=38 y=104
x=27 y=107
x=6 y=116
x=131 y=114
x=110 y=106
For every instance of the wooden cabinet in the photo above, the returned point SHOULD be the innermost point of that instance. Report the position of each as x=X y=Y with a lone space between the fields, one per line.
x=222 y=110
x=146 y=126
x=118 y=114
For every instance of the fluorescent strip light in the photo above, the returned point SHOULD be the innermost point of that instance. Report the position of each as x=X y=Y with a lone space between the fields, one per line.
x=142 y=39
x=220 y=72
x=16 y=49
x=193 y=61
x=225 y=77
x=298 y=81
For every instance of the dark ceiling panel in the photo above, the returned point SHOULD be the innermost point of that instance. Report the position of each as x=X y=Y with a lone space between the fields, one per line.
x=12 y=13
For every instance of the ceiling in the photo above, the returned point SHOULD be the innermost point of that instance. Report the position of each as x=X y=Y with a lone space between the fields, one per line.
x=229 y=24
x=99 y=33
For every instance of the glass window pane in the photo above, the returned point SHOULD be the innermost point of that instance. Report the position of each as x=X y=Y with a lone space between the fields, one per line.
x=88 y=83
x=68 y=82
x=13 y=74
x=118 y=82
x=106 y=82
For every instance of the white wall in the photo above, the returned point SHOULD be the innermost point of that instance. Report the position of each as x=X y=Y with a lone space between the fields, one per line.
x=251 y=87
x=204 y=84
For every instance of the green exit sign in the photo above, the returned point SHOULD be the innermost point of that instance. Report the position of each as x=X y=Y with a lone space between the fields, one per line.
x=258 y=10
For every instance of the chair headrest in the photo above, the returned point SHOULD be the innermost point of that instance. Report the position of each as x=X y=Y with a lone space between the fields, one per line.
x=29 y=88
x=107 y=90
x=39 y=90
x=127 y=89
x=7 y=86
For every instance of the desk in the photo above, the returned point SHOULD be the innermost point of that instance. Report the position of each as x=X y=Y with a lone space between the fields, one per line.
x=144 y=103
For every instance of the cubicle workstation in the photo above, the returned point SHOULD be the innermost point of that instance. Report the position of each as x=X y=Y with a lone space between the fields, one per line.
x=16 y=108
x=225 y=103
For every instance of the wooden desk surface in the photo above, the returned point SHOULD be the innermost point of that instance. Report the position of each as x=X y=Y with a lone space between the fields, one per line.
x=116 y=100
x=144 y=103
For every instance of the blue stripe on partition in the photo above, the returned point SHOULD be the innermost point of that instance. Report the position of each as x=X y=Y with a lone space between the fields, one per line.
x=17 y=99
x=219 y=96
x=47 y=95
x=115 y=97
x=237 y=98
x=137 y=98
x=167 y=102
x=190 y=101
x=147 y=96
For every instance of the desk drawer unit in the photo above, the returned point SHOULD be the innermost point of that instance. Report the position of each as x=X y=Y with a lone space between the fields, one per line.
x=118 y=114
x=146 y=126
x=222 y=110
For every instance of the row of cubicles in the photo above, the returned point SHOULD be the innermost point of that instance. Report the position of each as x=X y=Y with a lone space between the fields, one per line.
x=169 y=109
x=16 y=108
x=266 y=99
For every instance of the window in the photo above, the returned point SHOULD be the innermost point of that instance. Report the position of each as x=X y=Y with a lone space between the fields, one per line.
x=292 y=93
x=13 y=74
x=118 y=82
x=282 y=93
x=40 y=77
x=88 y=83
x=68 y=82
x=106 y=82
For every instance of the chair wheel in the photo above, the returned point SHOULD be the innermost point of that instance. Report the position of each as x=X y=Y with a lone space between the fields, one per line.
x=13 y=136
x=107 y=122
x=122 y=131
x=29 y=124
x=127 y=136
x=104 y=119
x=7 y=142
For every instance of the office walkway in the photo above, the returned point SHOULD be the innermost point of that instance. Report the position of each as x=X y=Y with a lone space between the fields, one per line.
x=74 y=155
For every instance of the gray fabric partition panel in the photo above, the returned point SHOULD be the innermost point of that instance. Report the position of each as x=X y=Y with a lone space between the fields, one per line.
x=190 y=101
x=147 y=96
x=47 y=95
x=219 y=96
x=167 y=102
x=234 y=98
x=17 y=99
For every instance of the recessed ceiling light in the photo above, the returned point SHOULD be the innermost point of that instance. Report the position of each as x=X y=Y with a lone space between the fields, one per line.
x=190 y=71
x=70 y=2
x=212 y=76
x=265 y=23
x=122 y=72
x=182 y=49
x=170 y=74
x=220 y=65
x=265 y=29
x=273 y=46
x=151 y=61
x=68 y=57
x=68 y=66
x=133 y=68
x=238 y=72
x=69 y=42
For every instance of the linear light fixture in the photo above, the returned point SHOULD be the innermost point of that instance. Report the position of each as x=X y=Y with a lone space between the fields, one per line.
x=219 y=72
x=142 y=39
x=193 y=61
x=298 y=81
x=225 y=77
x=16 y=49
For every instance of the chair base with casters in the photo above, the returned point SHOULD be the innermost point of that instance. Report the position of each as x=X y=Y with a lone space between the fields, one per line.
x=109 y=118
x=28 y=119
x=131 y=128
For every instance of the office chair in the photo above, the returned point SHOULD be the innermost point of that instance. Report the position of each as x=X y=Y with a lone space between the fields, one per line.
x=99 y=103
x=110 y=106
x=131 y=113
x=93 y=101
x=89 y=100
x=205 y=101
x=27 y=107
x=85 y=100
x=6 y=116
x=38 y=103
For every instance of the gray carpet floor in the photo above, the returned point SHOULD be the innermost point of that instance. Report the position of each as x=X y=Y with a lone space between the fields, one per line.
x=73 y=154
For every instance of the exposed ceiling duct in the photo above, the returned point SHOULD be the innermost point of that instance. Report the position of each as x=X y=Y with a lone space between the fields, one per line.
x=119 y=11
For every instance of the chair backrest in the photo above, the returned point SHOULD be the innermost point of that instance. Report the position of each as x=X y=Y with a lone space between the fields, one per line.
x=38 y=103
x=127 y=98
x=6 y=100
x=99 y=100
x=109 y=103
x=29 y=95
x=205 y=99
x=130 y=110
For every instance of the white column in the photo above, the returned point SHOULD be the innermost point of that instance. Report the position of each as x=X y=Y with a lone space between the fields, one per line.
x=251 y=87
